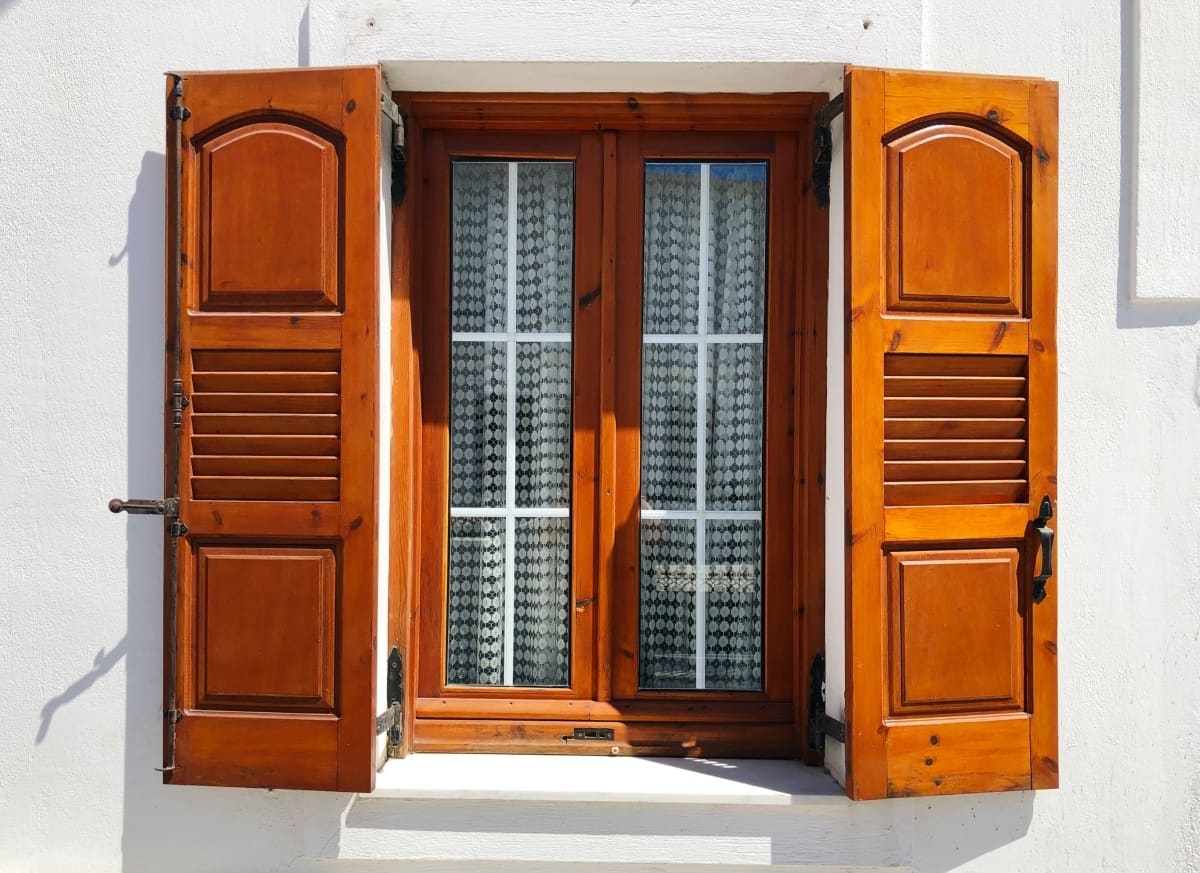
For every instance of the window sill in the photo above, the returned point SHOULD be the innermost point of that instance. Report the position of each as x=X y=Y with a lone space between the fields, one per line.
x=595 y=779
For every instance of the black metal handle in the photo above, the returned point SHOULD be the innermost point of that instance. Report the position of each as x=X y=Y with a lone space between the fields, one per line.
x=1041 y=526
x=168 y=507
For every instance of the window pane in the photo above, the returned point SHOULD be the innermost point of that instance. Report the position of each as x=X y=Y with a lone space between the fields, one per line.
x=543 y=424
x=737 y=248
x=545 y=250
x=669 y=426
x=735 y=426
x=541 y=613
x=478 y=245
x=475 y=619
x=478 y=403
x=733 y=605
x=508 y=609
x=671 y=268
x=702 y=425
x=668 y=604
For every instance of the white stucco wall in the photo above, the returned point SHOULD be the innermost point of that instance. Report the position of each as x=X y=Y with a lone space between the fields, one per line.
x=81 y=205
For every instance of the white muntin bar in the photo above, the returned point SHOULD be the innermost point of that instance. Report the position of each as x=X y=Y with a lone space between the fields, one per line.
x=513 y=511
x=692 y=514
x=510 y=417
x=702 y=427
x=520 y=336
x=712 y=338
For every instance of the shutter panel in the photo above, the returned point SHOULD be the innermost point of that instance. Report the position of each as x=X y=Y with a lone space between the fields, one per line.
x=951 y=246
x=273 y=681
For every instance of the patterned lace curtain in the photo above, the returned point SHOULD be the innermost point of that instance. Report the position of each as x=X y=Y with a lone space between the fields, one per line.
x=510 y=423
x=702 y=425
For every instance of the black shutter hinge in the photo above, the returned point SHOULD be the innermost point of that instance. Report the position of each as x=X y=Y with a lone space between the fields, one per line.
x=179 y=112
x=179 y=402
x=823 y=148
x=820 y=724
x=399 y=148
x=391 y=720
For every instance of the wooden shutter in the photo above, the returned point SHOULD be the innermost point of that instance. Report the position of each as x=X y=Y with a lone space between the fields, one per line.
x=951 y=187
x=278 y=177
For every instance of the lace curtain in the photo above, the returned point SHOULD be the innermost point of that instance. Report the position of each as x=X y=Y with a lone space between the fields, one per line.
x=702 y=425
x=510 y=423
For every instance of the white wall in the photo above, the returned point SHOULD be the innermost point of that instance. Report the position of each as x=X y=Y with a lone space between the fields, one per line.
x=81 y=204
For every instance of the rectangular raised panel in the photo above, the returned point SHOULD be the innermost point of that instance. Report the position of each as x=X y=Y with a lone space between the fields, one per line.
x=955 y=199
x=265 y=628
x=956 y=630
x=955 y=429
x=272 y=243
x=265 y=425
x=956 y=757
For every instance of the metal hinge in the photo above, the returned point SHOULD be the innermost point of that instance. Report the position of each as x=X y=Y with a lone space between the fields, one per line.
x=391 y=720
x=823 y=147
x=399 y=148
x=179 y=402
x=820 y=724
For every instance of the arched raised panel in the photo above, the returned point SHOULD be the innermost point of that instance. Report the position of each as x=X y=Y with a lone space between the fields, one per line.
x=955 y=238
x=271 y=244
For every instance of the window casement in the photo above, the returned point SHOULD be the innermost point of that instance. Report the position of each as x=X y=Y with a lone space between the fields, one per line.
x=607 y=387
x=610 y=341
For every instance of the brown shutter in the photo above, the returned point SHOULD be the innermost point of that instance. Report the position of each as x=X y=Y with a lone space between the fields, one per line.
x=273 y=681
x=951 y=187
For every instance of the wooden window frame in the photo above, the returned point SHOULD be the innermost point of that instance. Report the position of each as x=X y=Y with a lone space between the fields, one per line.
x=614 y=132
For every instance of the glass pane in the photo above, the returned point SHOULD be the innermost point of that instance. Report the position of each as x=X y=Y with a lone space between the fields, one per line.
x=508 y=608
x=475 y=619
x=478 y=405
x=545 y=237
x=735 y=427
x=669 y=426
x=543 y=424
x=478 y=245
x=668 y=604
x=704 y=311
x=737 y=248
x=733 y=605
x=541 y=609
x=671 y=265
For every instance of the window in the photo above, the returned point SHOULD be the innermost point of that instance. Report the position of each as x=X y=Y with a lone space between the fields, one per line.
x=611 y=429
x=595 y=362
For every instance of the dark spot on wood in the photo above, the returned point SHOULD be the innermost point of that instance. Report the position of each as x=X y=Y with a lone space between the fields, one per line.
x=1043 y=156
x=929 y=762
x=933 y=740
x=183 y=258
x=937 y=783
x=821 y=478
x=316 y=516
x=993 y=116
x=1038 y=345
x=856 y=313
x=1053 y=478
x=998 y=336
x=362 y=396
x=1050 y=764
x=1051 y=647
x=351 y=105
x=583 y=603
x=217 y=517
x=589 y=298
x=632 y=103
x=356 y=523
x=295 y=319
x=895 y=341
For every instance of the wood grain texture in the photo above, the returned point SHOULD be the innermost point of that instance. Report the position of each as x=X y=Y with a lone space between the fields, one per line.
x=951 y=424
x=276 y=606
x=606 y=400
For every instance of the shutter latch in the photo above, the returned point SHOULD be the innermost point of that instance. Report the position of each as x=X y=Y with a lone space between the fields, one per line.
x=820 y=723
x=399 y=148
x=168 y=508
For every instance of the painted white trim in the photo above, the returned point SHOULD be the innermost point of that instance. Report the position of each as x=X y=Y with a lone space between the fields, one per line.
x=510 y=424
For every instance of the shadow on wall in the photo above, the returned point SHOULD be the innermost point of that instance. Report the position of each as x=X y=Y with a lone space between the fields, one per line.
x=1131 y=313
x=171 y=827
